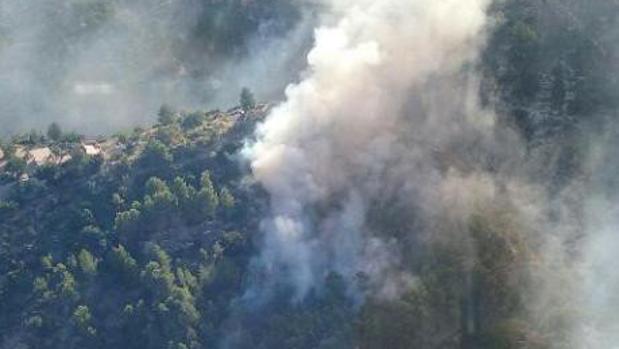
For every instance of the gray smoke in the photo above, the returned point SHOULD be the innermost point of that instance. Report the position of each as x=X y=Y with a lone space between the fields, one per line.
x=387 y=114
x=387 y=85
x=98 y=66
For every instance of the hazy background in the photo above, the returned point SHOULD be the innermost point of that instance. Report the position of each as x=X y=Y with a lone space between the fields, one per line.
x=98 y=65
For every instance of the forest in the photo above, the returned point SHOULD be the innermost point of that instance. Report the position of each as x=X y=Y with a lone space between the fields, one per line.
x=423 y=182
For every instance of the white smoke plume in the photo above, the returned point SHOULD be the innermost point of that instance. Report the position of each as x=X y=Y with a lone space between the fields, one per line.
x=388 y=86
x=387 y=114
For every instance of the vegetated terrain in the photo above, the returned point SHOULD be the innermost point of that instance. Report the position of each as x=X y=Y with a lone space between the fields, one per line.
x=144 y=239
x=130 y=245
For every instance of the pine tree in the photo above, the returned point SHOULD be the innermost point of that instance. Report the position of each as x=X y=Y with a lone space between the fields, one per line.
x=248 y=101
x=54 y=132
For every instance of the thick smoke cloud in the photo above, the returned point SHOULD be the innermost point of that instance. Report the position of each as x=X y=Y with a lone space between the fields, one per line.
x=388 y=115
x=99 y=66
x=387 y=85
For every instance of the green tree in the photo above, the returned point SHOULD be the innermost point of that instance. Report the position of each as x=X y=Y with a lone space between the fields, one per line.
x=192 y=120
x=226 y=198
x=169 y=135
x=247 y=100
x=39 y=285
x=182 y=190
x=67 y=281
x=158 y=274
x=54 y=132
x=159 y=203
x=15 y=165
x=187 y=200
x=47 y=262
x=93 y=237
x=82 y=319
x=166 y=115
x=156 y=186
x=87 y=263
x=155 y=160
x=35 y=137
x=128 y=222
x=207 y=196
x=35 y=322
x=121 y=261
x=71 y=137
x=82 y=315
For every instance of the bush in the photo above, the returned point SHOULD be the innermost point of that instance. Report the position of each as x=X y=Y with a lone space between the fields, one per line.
x=87 y=263
x=193 y=120
x=166 y=115
x=247 y=99
x=54 y=132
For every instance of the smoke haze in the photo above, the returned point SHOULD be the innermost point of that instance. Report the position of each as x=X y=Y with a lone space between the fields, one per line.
x=388 y=116
x=99 y=66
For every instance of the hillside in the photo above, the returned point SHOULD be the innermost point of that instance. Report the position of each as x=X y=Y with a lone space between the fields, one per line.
x=437 y=175
x=146 y=225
